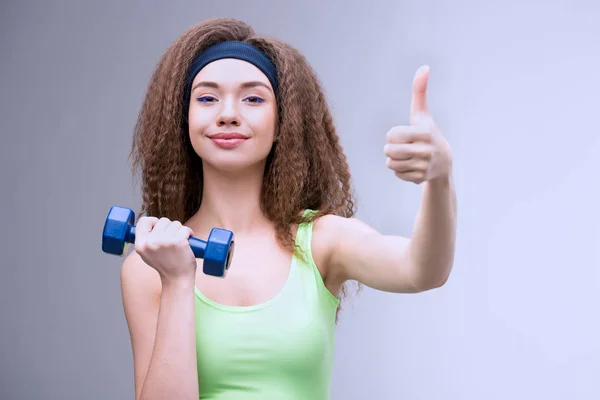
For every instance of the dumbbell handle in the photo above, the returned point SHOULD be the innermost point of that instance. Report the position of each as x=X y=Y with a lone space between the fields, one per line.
x=198 y=246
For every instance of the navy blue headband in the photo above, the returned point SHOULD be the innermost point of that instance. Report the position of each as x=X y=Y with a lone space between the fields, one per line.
x=231 y=49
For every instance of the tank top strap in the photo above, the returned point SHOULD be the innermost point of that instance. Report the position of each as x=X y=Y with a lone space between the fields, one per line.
x=308 y=267
x=304 y=234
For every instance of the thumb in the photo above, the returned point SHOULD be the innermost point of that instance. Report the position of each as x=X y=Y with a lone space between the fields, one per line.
x=418 y=104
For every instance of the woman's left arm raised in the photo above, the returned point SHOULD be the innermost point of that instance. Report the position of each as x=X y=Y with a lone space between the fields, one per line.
x=416 y=153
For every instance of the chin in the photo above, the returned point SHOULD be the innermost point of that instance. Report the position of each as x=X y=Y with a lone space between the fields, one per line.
x=240 y=159
x=233 y=163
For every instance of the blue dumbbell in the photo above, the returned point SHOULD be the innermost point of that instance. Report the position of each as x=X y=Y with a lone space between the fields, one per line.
x=217 y=253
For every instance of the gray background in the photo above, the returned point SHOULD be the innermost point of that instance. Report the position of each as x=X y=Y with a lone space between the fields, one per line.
x=515 y=87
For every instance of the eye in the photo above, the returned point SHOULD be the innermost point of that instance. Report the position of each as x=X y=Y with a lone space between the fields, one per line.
x=254 y=99
x=206 y=99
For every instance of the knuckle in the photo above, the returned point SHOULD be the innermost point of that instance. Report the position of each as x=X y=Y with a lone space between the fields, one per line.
x=142 y=221
x=152 y=245
x=386 y=149
x=148 y=219
x=396 y=134
x=140 y=246
x=390 y=133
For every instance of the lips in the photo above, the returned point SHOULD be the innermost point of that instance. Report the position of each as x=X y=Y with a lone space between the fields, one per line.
x=228 y=140
x=228 y=136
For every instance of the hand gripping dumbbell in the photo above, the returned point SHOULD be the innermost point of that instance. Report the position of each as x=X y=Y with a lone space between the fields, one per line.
x=217 y=253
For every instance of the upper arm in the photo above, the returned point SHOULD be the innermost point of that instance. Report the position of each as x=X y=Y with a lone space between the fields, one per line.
x=140 y=287
x=358 y=252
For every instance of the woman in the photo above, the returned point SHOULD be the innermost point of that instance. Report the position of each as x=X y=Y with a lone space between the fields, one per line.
x=235 y=133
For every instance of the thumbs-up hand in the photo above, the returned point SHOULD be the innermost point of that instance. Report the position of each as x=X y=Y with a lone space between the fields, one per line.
x=418 y=152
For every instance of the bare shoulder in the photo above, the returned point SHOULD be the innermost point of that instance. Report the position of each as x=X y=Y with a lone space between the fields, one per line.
x=331 y=231
x=330 y=234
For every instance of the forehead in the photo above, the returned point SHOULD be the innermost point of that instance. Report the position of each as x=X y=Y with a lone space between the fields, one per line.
x=231 y=71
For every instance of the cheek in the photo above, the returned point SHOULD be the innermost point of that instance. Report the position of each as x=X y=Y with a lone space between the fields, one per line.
x=262 y=122
x=198 y=120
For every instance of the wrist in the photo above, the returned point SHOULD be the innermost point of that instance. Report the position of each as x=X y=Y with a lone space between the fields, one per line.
x=185 y=282
x=442 y=167
x=442 y=181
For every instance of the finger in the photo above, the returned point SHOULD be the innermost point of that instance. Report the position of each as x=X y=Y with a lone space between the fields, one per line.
x=145 y=226
x=398 y=151
x=423 y=123
x=418 y=104
x=409 y=134
x=173 y=228
x=412 y=176
x=408 y=151
x=184 y=232
x=161 y=225
x=412 y=165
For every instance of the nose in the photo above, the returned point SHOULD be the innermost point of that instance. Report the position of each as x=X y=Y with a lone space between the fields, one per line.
x=228 y=114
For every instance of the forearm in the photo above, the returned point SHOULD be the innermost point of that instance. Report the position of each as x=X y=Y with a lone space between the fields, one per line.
x=172 y=372
x=432 y=245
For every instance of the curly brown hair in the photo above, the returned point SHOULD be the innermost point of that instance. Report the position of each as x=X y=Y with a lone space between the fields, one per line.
x=306 y=169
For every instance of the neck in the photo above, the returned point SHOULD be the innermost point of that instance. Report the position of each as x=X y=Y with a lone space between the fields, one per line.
x=230 y=201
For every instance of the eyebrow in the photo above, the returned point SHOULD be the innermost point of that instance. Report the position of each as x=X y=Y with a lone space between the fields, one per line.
x=245 y=85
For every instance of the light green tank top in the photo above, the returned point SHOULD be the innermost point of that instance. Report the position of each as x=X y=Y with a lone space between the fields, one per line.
x=280 y=349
